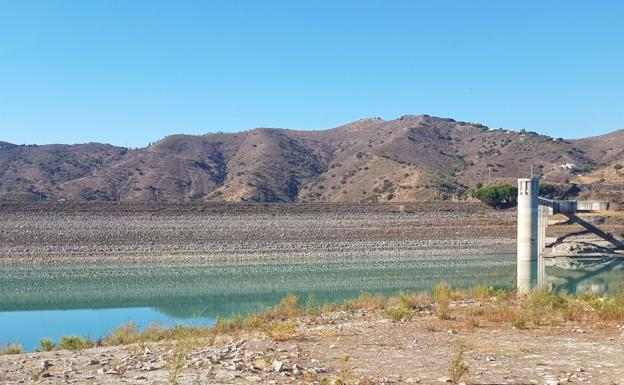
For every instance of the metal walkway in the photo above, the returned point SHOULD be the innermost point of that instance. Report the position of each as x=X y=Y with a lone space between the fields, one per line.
x=570 y=208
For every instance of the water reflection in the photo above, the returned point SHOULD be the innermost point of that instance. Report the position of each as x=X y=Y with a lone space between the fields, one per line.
x=36 y=302
x=599 y=277
x=90 y=301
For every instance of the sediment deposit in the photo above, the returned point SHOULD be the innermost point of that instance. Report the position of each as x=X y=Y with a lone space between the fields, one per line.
x=213 y=233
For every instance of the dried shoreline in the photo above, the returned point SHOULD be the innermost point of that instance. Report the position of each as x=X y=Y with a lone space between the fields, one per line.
x=74 y=234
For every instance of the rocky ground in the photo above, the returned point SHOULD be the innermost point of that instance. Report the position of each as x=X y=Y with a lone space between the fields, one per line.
x=348 y=347
x=139 y=233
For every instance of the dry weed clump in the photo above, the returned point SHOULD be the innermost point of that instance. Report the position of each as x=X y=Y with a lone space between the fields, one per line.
x=75 y=343
x=46 y=344
x=471 y=323
x=482 y=292
x=546 y=308
x=281 y=331
x=608 y=308
x=176 y=361
x=442 y=294
x=405 y=305
x=458 y=368
x=287 y=308
x=538 y=308
x=123 y=335
x=15 y=348
x=365 y=301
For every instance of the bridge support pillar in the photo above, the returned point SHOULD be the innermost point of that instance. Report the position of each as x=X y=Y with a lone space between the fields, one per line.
x=527 y=242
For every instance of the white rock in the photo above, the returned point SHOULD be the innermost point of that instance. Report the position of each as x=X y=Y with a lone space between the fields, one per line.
x=278 y=366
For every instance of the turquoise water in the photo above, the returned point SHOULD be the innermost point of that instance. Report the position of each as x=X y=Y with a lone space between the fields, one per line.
x=91 y=301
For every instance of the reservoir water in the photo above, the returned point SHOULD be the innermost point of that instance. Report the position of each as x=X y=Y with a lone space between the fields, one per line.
x=51 y=302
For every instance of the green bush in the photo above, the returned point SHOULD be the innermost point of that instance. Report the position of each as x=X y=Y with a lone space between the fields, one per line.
x=399 y=312
x=499 y=196
x=75 y=343
x=46 y=344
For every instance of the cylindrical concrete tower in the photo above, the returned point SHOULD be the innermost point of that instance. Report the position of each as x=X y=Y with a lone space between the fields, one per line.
x=528 y=191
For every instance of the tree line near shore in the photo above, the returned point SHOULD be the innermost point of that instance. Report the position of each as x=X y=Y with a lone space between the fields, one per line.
x=503 y=196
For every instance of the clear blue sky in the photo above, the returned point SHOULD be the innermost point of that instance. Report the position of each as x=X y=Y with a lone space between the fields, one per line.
x=130 y=72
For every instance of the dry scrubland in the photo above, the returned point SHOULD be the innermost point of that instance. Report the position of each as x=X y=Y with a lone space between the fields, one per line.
x=413 y=158
x=477 y=337
x=137 y=234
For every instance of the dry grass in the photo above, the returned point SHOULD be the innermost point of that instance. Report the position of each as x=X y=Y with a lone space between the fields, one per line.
x=15 y=348
x=75 y=343
x=609 y=308
x=442 y=294
x=365 y=301
x=177 y=360
x=471 y=323
x=123 y=335
x=458 y=368
x=46 y=344
x=482 y=292
x=281 y=331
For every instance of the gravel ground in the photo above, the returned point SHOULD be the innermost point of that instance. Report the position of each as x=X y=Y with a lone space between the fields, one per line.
x=136 y=234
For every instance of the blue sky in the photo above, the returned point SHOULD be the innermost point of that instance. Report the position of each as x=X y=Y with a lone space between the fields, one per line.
x=130 y=72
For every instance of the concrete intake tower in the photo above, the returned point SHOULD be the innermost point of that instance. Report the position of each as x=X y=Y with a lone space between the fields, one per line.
x=527 y=258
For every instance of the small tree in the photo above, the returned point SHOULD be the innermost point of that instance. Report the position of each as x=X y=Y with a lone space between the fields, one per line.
x=499 y=196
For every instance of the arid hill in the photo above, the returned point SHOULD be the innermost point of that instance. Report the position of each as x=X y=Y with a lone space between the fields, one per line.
x=413 y=158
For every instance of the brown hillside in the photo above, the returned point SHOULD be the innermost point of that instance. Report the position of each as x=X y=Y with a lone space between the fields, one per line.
x=413 y=158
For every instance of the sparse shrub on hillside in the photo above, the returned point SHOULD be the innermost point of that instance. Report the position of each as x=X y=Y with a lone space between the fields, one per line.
x=499 y=196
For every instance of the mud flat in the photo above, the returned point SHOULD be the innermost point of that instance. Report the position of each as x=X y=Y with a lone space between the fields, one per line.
x=92 y=234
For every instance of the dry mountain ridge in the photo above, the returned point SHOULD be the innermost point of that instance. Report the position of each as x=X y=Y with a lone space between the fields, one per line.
x=413 y=158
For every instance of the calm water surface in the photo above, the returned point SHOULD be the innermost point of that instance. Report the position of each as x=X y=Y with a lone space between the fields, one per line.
x=52 y=302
